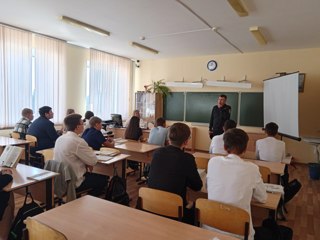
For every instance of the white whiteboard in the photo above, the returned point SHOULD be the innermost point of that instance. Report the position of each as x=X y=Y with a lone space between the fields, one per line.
x=281 y=103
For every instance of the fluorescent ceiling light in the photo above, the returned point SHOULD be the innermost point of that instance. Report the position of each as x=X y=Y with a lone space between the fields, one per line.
x=258 y=35
x=185 y=84
x=238 y=6
x=228 y=84
x=143 y=47
x=86 y=26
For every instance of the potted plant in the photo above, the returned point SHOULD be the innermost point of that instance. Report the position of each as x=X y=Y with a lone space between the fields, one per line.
x=157 y=87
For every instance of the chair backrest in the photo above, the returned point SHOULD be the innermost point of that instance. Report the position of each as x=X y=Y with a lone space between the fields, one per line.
x=15 y=135
x=223 y=217
x=39 y=231
x=265 y=173
x=47 y=154
x=202 y=163
x=33 y=140
x=160 y=202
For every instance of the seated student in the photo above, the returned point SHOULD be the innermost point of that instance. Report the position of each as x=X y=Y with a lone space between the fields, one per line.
x=133 y=131
x=43 y=129
x=6 y=204
x=86 y=119
x=73 y=150
x=232 y=180
x=173 y=170
x=22 y=126
x=270 y=148
x=217 y=144
x=93 y=135
x=159 y=134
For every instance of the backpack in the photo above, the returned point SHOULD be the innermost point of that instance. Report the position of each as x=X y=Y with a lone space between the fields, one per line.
x=27 y=210
x=116 y=191
x=271 y=230
x=290 y=190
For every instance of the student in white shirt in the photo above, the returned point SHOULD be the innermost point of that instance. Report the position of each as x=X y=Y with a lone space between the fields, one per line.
x=270 y=148
x=217 y=144
x=232 y=180
x=159 y=134
x=75 y=151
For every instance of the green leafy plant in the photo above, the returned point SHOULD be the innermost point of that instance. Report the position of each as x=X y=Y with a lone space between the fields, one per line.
x=157 y=87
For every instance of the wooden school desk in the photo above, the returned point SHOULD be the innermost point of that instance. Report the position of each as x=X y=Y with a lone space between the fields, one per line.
x=94 y=218
x=106 y=166
x=138 y=151
x=41 y=186
x=7 y=141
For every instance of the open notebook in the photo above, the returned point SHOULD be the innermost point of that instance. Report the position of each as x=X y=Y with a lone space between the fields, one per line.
x=10 y=156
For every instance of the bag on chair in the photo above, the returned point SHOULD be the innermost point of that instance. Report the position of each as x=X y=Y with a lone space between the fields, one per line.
x=27 y=210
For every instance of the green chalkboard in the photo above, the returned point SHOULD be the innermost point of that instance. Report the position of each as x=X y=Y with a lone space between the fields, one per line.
x=199 y=105
x=251 y=109
x=174 y=106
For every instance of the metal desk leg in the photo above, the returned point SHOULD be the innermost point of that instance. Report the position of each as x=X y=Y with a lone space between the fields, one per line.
x=49 y=197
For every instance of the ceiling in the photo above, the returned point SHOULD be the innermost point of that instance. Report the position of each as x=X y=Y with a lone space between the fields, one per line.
x=169 y=27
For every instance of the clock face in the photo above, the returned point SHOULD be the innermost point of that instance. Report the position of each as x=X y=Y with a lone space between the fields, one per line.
x=212 y=65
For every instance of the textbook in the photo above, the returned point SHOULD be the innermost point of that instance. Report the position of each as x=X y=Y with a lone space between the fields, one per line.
x=10 y=156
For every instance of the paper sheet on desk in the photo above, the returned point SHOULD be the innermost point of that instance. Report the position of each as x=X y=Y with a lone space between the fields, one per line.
x=103 y=158
x=274 y=188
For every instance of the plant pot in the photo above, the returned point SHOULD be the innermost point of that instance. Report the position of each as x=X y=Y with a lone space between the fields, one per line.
x=314 y=171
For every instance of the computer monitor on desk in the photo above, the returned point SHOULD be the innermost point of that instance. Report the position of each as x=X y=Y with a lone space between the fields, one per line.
x=117 y=119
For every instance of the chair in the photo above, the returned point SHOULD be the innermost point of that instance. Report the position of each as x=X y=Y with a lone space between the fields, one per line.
x=36 y=159
x=47 y=154
x=265 y=173
x=39 y=231
x=160 y=202
x=33 y=140
x=202 y=163
x=15 y=135
x=223 y=217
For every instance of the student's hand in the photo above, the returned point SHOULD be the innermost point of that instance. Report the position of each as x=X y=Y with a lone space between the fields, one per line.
x=89 y=168
x=6 y=171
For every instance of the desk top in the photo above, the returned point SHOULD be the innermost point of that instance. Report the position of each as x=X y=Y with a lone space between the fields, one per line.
x=107 y=160
x=275 y=167
x=139 y=147
x=5 y=141
x=21 y=174
x=94 y=218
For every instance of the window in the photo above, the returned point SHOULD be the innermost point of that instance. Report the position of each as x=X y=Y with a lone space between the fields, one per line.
x=31 y=74
x=109 y=83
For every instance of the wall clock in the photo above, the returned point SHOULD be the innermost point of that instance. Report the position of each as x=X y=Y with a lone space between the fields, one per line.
x=212 y=65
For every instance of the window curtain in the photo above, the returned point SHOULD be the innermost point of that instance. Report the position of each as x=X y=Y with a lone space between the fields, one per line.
x=15 y=74
x=109 y=84
x=49 y=76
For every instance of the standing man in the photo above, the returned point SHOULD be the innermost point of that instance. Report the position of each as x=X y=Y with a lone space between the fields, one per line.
x=43 y=129
x=220 y=113
x=22 y=126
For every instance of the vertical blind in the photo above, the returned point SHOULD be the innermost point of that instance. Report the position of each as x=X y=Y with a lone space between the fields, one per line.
x=109 y=84
x=31 y=75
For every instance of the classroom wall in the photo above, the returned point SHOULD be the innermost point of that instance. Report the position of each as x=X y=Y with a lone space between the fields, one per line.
x=257 y=67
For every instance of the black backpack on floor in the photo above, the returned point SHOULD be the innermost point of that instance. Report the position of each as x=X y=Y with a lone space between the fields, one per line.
x=290 y=190
x=116 y=191
x=270 y=230
x=27 y=210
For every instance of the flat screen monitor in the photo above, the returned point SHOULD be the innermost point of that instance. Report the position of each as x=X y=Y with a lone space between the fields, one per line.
x=117 y=119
